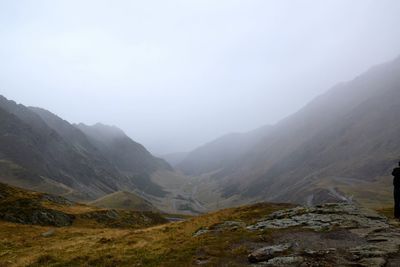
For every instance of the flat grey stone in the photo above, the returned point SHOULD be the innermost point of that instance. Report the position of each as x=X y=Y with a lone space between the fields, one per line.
x=269 y=252
x=373 y=262
x=49 y=233
x=285 y=261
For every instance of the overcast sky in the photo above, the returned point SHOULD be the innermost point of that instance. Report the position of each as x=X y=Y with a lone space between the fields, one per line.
x=175 y=74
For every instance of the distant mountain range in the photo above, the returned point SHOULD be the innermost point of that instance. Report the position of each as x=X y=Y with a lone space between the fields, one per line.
x=174 y=158
x=342 y=144
x=39 y=150
x=222 y=152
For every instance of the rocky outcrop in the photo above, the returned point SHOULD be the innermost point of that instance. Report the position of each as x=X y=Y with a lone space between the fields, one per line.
x=37 y=216
x=29 y=207
x=56 y=199
x=227 y=225
x=285 y=261
x=267 y=253
x=366 y=238
x=323 y=217
x=29 y=210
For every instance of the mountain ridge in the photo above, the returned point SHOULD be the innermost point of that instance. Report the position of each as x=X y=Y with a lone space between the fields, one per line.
x=350 y=131
x=51 y=149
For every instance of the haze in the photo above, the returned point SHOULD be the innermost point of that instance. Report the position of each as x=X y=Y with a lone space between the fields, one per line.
x=176 y=74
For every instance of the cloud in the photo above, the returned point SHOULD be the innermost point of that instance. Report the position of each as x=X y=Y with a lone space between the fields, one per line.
x=175 y=74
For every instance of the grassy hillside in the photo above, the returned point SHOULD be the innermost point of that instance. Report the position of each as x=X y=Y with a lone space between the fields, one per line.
x=123 y=200
x=171 y=244
x=34 y=208
x=328 y=235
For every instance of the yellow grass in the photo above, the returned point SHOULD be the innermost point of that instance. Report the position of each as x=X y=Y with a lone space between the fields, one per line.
x=170 y=244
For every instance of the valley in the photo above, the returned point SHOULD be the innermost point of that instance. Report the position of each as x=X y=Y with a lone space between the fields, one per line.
x=200 y=133
x=343 y=144
x=339 y=147
x=265 y=234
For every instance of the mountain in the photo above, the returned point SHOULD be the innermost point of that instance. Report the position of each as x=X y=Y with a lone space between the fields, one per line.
x=42 y=151
x=347 y=136
x=174 y=158
x=27 y=141
x=221 y=152
x=130 y=158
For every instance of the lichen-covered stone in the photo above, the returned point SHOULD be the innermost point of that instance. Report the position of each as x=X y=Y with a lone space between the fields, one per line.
x=285 y=261
x=200 y=232
x=378 y=239
x=227 y=225
x=322 y=218
x=372 y=262
x=269 y=252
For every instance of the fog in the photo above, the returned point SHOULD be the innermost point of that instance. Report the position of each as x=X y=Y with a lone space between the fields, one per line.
x=176 y=74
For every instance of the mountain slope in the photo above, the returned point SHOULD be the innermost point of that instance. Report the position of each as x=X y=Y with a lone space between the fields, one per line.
x=351 y=132
x=130 y=158
x=28 y=142
x=42 y=151
x=364 y=145
x=123 y=200
x=175 y=158
x=19 y=147
x=113 y=150
x=221 y=152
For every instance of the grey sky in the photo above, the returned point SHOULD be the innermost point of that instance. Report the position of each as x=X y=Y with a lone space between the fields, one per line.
x=175 y=74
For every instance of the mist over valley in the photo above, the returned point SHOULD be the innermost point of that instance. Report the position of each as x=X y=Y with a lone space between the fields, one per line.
x=200 y=133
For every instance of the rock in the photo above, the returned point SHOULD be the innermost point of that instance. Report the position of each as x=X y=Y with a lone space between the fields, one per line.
x=49 y=233
x=201 y=261
x=37 y=215
x=310 y=252
x=227 y=225
x=393 y=238
x=323 y=218
x=285 y=261
x=318 y=253
x=377 y=239
x=57 y=199
x=102 y=215
x=373 y=262
x=266 y=253
x=230 y=225
x=368 y=251
x=201 y=231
